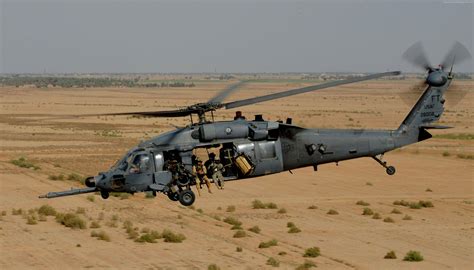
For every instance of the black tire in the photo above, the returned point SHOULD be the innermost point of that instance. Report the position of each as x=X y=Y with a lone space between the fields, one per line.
x=174 y=196
x=105 y=194
x=187 y=197
x=391 y=170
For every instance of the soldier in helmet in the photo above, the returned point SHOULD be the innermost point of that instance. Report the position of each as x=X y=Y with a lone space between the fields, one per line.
x=214 y=170
x=199 y=171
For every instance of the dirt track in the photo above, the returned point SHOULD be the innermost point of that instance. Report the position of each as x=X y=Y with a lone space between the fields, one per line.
x=349 y=240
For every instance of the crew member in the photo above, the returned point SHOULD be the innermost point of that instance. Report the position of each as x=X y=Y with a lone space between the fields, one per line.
x=199 y=171
x=215 y=169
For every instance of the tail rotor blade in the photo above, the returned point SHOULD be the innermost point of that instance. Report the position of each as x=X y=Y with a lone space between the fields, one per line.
x=416 y=56
x=456 y=55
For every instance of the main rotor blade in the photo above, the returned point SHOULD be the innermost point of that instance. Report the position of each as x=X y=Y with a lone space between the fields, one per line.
x=416 y=55
x=254 y=100
x=173 y=113
x=226 y=92
x=456 y=55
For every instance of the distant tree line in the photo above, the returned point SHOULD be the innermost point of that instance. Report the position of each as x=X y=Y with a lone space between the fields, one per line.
x=78 y=82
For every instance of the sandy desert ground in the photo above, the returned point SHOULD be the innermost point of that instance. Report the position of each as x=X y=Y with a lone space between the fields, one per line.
x=438 y=170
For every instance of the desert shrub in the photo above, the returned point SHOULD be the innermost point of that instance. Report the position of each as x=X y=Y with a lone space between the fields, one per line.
x=268 y=244
x=101 y=235
x=446 y=154
x=389 y=220
x=395 y=211
x=213 y=267
x=172 y=237
x=402 y=202
x=90 y=198
x=390 y=255
x=232 y=221
x=413 y=256
x=238 y=249
x=294 y=230
x=363 y=203
x=216 y=217
x=290 y=224
x=200 y=211
x=42 y=218
x=282 y=211
x=75 y=177
x=332 y=212
x=415 y=205
x=149 y=237
x=47 y=210
x=369 y=184
x=31 y=220
x=59 y=177
x=257 y=204
x=132 y=233
x=306 y=265
x=376 y=216
x=282 y=253
x=271 y=205
x=239 y=234
x=273 y=262
x=367 y=212
x=94 y=225
x=407 y=217
x=426 y=204
x=230 y=208
x=71 y=220
x=115 y=217
x=219 y=208
x=4 y=213
x=312 y=252
x=17 y=212
x=24 y=163
x=80 y=210
x=312 y=207
x=428 y=190
x=236 y=227
x=255 y=229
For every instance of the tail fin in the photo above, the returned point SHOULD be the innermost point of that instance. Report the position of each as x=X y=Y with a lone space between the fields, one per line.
x=428 y=108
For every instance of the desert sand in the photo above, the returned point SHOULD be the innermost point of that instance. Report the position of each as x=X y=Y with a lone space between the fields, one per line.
x=34 y=125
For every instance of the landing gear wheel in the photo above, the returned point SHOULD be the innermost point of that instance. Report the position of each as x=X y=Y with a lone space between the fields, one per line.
x=187 y=197
x=390 y=170
x=174 y=196
x=104 y=194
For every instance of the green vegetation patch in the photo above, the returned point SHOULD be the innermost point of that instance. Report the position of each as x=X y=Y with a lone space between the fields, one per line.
x=390 y=255
x=312 y=252
x=273 y=262
x=71 y=220
x=47 y=210
x=171 y=237
x=24 y=163
x=268 y=244
x=413 y=256
x=257 y=204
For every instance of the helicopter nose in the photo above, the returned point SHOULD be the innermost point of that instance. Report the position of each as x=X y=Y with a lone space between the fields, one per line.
x=101 y=181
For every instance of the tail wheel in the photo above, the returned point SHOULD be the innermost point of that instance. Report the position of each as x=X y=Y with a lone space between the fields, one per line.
x=187 y=197
x=390 y=170
x=174 y=196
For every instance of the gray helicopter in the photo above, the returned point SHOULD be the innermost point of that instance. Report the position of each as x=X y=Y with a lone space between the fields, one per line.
x=252 y=148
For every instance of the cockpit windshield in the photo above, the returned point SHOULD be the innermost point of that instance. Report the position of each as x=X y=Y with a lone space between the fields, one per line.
x=140 y=163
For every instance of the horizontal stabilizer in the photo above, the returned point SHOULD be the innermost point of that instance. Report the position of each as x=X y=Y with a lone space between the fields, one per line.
x=435 y=127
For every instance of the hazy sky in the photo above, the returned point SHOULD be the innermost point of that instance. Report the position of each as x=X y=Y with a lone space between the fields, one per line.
x=226 y=36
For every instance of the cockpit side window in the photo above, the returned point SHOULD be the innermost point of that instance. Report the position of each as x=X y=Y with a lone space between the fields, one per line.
x=140 y=163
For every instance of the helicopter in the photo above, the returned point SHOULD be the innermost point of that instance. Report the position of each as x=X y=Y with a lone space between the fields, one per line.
x=253 y=148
